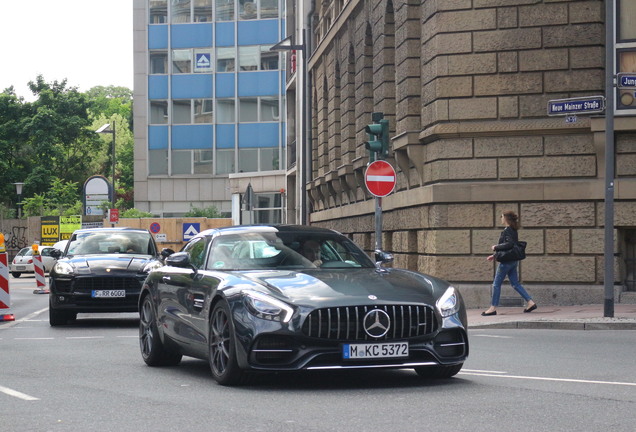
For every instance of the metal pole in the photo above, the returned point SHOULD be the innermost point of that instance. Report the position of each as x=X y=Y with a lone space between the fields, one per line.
x=306 y=138
x=378 y=223
x=609 y=160
x=114 y=190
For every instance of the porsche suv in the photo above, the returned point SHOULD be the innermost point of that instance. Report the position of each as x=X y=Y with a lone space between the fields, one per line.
x=100 y=270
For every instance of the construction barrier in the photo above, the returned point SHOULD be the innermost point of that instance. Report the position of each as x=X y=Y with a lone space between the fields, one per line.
x=38 y=269
x=5 y=297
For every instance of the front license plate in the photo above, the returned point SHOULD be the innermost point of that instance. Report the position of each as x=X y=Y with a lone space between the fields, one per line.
x=108 y=293
x=375 y=350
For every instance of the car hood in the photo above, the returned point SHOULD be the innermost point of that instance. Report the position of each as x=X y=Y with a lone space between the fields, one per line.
x=325 y=288
x=110 y=262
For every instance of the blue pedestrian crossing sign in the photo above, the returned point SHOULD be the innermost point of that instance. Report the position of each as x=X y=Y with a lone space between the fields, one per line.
x=190 y=230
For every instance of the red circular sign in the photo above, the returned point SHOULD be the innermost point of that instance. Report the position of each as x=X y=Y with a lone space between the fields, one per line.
x=380 y=178
x=155 y=227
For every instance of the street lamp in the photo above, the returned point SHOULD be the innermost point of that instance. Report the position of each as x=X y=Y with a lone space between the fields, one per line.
x=106 y=129
x=288 y=45
x=18 y=190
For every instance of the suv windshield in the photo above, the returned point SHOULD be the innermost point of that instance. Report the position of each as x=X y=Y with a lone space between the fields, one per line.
x=117 y=242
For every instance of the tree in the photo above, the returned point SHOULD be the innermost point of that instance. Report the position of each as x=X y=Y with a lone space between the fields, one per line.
x=208 y=212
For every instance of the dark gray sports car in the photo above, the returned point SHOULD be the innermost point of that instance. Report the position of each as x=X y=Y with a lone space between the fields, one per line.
x=100 y=270
x=286 y=298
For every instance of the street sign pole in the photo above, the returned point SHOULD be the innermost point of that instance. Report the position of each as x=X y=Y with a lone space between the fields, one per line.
x=608 y=311
x=378 y=223
x=380 y=179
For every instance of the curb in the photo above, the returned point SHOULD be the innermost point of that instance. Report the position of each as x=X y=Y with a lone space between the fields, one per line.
x=557 y=325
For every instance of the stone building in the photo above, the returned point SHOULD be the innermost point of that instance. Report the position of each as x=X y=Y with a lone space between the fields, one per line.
x=465 y=85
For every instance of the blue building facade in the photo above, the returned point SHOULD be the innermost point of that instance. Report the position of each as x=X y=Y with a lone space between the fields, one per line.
x=209 y=104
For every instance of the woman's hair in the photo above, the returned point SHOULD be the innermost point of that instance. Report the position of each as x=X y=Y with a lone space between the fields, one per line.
x=512 y=219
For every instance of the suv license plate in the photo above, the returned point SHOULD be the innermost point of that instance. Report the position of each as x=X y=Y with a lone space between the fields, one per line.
x=375 y=350
x=108 y=293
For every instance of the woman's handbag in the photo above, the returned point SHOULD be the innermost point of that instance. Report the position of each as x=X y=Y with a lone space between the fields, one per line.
x=515 y=253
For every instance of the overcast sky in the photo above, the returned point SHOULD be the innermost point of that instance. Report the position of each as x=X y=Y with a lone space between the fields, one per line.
x=88 y=42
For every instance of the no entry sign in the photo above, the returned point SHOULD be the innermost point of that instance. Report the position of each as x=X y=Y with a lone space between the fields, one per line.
x=380 y=178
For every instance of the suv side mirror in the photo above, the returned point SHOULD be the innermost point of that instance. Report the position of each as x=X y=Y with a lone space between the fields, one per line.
x=179 y=259
x=55 y=253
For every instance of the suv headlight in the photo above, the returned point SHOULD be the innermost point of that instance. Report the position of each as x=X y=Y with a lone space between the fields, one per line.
x=151 y=266
x=448 y=304
x=63 y=268
x=266 y=307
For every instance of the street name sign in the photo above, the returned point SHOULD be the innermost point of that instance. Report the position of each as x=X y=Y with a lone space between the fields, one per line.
x=626 y=80
x=581 y=105
x=380 y=178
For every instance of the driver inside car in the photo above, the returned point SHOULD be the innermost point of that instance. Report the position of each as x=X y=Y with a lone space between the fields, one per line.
x=311 y=250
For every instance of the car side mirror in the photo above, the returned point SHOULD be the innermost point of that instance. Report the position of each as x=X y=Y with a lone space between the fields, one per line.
x=56 y=253
x=179 y=259
x=382 y=257
x=166 y=252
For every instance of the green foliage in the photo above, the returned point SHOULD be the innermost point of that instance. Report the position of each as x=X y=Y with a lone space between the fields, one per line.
x=208 y=212
x=134 y=213
x=34 y=206
x=59 y=200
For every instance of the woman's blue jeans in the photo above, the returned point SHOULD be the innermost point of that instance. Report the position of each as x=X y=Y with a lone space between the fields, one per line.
x=507 y=269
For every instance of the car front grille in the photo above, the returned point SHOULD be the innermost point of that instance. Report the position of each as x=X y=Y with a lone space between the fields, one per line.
x=347 y=323
x=87 y=285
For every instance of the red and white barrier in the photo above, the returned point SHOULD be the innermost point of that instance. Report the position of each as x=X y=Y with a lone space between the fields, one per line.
x=5 y=298
x=38 y=269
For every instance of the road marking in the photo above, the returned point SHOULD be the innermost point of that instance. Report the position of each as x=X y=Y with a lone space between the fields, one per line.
x=33 y=338
x=17 y=394
x=496 y=374
x=135 y=336
x=26 y=318
x=492 y=336
x=84 y=337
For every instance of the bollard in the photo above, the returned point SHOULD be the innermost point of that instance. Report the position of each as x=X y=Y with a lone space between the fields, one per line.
x=5 y=297
x=38 y=269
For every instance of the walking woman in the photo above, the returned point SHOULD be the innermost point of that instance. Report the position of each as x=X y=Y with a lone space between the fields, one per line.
x=507 y=240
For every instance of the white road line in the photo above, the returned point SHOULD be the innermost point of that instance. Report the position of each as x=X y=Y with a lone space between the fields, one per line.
x=492 y=336
x=502 y=375
x=84 y=337
x=135 y=336
x=34 y=338
x=17 y=394
x=26 y=318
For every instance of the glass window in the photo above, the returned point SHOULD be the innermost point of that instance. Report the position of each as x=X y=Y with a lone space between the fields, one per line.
x=269 y=9
x=158 y=62
x=203 y=111
x=181 y=111
x=248 y=58
x=224 y=161
x=269 y=159
x=181 y=162
x=180 y=10
x=202 y=11
x=247 y=9
x=202 y=161
x=626 y=17
x=158 y=112
x=269 y=109
x=196 y=249
x=225 y=59
x=248 y=160
x=225 y=111
x=225 y=10
x=269 y=59
x=158 y=11
x=158 y=162
x=248 y=110
x=181 y=61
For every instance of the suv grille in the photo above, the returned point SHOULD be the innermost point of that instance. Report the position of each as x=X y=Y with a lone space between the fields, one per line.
x=346 y=323
x=106 y=283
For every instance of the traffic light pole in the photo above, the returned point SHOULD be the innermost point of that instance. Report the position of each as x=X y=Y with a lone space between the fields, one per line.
x=378 y=223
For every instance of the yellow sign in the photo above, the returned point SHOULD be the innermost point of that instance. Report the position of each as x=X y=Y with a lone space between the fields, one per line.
x=68 y=224
x=2 y=246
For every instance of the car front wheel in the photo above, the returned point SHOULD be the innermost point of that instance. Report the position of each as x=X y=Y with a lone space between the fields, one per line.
x=222 y=355
x=153 y=351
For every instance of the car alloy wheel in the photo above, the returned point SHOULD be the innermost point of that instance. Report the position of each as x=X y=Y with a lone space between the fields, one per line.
x=153 y=350
x=222 y=356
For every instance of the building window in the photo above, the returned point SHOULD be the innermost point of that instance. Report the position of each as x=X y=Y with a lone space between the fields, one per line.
x=158 y=112
x=225 y=10
x=248 y=110
x=267 y=209
x=225 y=111
x=269 y=9
x=202 y=11
x=203 y=111
x=158 y=11
x=247 y=10
x=225 y=161
x=158 y=62
x=181 y=61
x=269 y=110
x=225 y=59
x=259 y=159
x=181 y=162
x=262 y=109
x=257 y=57
x=269 y=59
x=257 y=9
x=202 y=161
x=158 y=162
x=181 y=111
x=180 y=11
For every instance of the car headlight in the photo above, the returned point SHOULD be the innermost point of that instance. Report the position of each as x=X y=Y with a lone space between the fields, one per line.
x=448 y=304
x=63 y=268
x=266 y=307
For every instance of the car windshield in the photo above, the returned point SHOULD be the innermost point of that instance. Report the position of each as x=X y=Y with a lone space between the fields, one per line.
x=285 y=250
x=116 y=242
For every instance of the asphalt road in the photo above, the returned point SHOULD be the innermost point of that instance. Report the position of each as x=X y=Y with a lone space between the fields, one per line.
x=90 y=377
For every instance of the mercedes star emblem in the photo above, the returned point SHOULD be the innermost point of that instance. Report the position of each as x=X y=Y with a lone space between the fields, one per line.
x=376 y=323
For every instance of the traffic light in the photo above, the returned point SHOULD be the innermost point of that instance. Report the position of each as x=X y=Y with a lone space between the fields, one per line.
x=378 y=131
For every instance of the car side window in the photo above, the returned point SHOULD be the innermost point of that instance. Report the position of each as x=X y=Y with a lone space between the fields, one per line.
x=196 y=249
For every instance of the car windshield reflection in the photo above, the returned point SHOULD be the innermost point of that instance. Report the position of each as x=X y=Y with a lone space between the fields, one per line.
x=99 y=243
x=257 y=251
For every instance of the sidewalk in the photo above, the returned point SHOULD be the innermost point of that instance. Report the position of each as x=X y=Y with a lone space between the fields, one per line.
x=580 y=317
